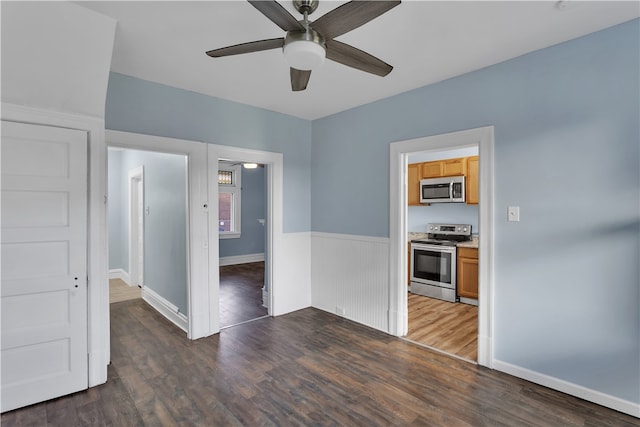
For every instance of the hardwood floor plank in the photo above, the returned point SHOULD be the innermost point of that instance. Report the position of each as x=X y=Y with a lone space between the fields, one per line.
x=305 y=368
x=446 y=326
x=241 y=293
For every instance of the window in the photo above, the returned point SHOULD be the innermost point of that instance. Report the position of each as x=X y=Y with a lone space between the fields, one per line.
x=229 y=192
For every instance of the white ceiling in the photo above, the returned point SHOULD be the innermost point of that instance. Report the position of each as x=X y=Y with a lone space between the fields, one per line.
x=425 y=41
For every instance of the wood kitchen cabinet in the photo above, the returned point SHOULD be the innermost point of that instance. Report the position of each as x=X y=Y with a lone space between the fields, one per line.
x=413 y=184
x=454 y=167
x=440 y=168
x=431 y=169
x=467 y=281
x=472 y=181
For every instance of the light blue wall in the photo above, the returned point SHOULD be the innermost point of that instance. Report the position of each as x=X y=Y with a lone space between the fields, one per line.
x=165 y=228
x=567 y=151
x=135 y=105
x=449 y=213
x=253 y=207
x=118 y=228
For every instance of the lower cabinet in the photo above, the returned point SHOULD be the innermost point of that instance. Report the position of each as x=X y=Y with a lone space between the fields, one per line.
x=467 y=273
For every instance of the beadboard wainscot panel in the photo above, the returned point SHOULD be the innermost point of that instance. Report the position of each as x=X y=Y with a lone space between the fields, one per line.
x=291 y=273
x=350 y=277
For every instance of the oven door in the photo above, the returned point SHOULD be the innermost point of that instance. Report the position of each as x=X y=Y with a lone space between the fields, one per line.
x=433 y=264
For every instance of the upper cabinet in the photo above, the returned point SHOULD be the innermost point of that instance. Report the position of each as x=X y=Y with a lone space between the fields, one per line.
x=472 y=180
x=449 y=167
x=413 y=184
x=467 y=166
x=454 y=167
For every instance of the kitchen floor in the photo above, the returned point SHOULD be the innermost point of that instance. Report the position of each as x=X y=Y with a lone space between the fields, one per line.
x=446 y=326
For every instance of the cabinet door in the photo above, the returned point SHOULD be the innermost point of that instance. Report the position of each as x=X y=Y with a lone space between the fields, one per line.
x=453 y=167
x=468 y=275
x=432 y=169
x=413 y=184
x=472 y=181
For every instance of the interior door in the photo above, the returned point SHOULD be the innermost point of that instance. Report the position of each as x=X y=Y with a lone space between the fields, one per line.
x=44 y=263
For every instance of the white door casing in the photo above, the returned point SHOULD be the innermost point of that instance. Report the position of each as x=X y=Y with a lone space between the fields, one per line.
x=136 y=226
x=44 y=263
x=484 y=139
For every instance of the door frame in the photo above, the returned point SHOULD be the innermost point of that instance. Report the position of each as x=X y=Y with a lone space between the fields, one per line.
x=136 y=215
x=273 y=245
x=195 y=153
x=399 y=152
x=97 y=288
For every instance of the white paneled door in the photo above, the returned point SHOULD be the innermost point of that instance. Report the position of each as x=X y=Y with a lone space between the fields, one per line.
x=44 y=263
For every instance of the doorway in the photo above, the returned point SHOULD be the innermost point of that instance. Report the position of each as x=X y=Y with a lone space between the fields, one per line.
x=399 y=152
x=148 y=229
x=450 y=324
x=242 y=218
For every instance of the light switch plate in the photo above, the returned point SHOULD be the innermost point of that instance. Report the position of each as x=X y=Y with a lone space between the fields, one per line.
x=513 y=213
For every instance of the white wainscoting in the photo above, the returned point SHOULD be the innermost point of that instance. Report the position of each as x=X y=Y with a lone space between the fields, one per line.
x=118 y=273
x=350 y=277
x=165 y=308
x=594 y=396
x=291 y=274
x=241 y=259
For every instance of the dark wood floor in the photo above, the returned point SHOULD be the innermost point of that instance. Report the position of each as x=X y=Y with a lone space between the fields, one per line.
x=241 y=293
x=304 y=368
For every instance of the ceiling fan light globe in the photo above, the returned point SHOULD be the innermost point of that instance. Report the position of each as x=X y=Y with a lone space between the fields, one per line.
x=304 y=54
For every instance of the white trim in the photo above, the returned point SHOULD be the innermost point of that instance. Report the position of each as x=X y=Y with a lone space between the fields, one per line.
x=241 y=259
x=197 y=243
x=135 y=177
x=118 y=273
x=368 y=239
x=265 y=298
x=229 y=235
x=164 y=307
x=483 y=138
x=98 y=285
x=585 y=393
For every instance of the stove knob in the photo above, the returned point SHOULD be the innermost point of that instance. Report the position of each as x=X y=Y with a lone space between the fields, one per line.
x=431 y=227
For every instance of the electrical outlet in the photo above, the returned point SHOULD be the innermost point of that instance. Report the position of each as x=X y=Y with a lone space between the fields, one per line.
x=340 y=311
x=513 y=213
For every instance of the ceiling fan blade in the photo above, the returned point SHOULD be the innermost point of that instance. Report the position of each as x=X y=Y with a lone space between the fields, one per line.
x=247 y=47
x=350 y=16
x=277 y=14
x=299 y=79
x=355 y=58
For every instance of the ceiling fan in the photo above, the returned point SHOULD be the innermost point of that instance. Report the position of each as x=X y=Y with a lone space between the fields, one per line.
x=306 y=43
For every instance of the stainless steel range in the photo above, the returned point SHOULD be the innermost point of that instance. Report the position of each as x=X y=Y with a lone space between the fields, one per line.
x=433 y=261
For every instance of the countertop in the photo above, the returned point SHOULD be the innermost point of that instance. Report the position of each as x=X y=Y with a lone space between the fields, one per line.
x=473 y=243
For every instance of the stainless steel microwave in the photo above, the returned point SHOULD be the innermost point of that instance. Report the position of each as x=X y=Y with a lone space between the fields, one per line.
x=442 y=190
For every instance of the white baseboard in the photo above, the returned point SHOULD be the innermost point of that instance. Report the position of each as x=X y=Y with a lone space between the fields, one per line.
x=165 y=308
x=241 y=259
x=118 y=273
x=588 y=394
